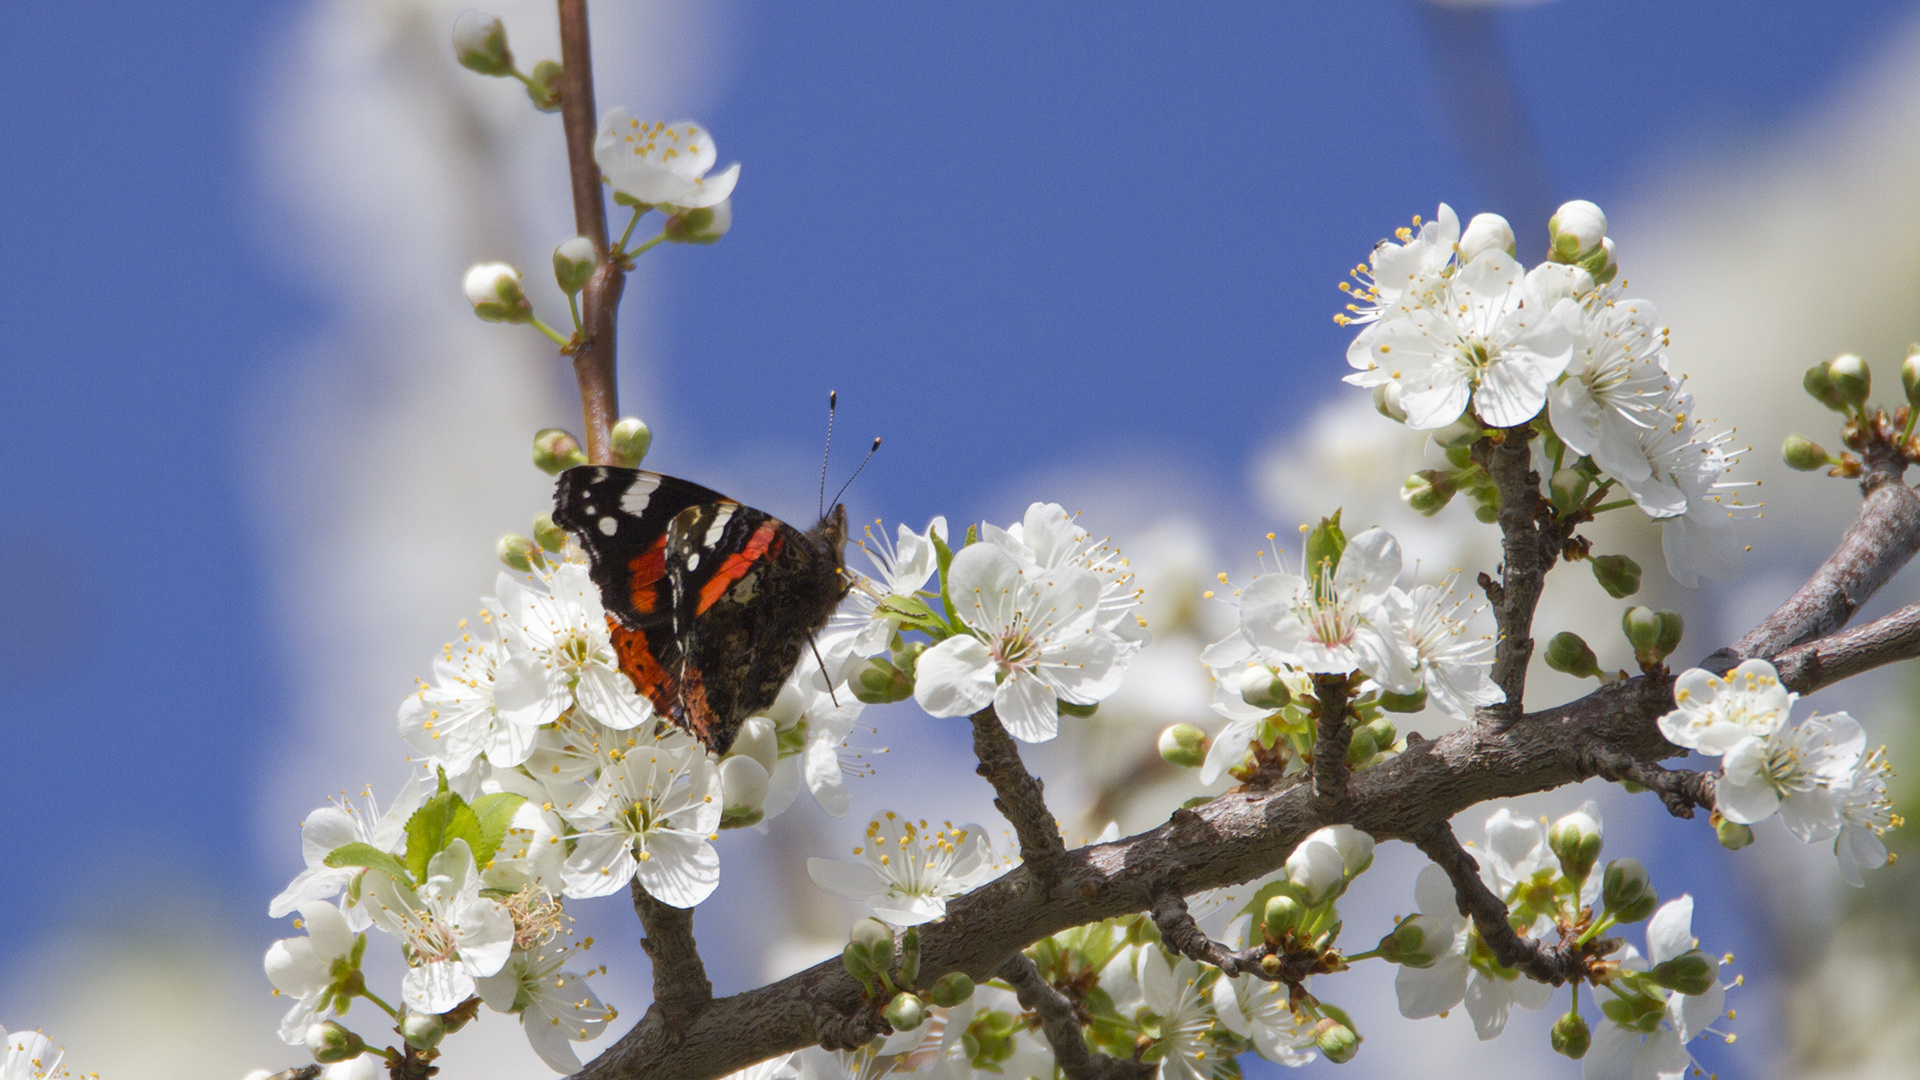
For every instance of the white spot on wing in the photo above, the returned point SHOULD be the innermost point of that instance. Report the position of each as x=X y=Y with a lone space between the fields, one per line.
x=693 y=560
x=720 y=518
x=608 y=526
x=634 y=500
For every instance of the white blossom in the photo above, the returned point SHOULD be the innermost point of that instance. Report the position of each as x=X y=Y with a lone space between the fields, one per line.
x=484 y=701
x=1258 y=1010
x=1411 y=268
x=556 y=1006
x=1186 y=1016
x=651 y=815
x=1615 y=386
x=1453 y=978
x=908 y=872
x=1455 y=664
x=658 y=163
x=30 y=1056
x=903 y=569
x=1243 y=719
x=1713 y=714
x=1803 y=772
x=305 y=968
x=1620 y=1052
x=455 y=934
x=564 y=627
x=1865 y=813
x=334 y=826
x=1048 y=537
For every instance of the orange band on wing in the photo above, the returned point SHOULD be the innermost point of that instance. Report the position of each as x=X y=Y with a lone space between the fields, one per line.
x=644 y=571
x=737 y=565
x=646 y=674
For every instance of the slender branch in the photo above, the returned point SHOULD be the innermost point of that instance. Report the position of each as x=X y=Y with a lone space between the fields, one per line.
x=1525 y=558
x=1332 y=736
x=1019 y=796
x=680 y=985
x=1061 y=1023
x=1681 y=789
x=1184 y=936
x=593 y=357
x=1883 y=537
x=1534 y=959
x=1806 y=668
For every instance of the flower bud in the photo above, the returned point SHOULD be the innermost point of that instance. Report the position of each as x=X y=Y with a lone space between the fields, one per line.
x=1819 y=383
x=705 y=225
x=329 y=1041
x=1262 y=688
x=1852 y=382
x=480 y=44
x=1315 y=871
x=1671 y=629
x=1428 y=492
x=573 y=264
x=1183 y=746
x=1460 y=433
x=877 y=682
x=549 y=536
x=1336 y=1040
x=494 y=290
x=1570 y=1037
x=1575 y=229
x=631 y=439
x=555 y=451
x=1383 y=732
x=1417 y=942
x=1486 y=508
x=1642 y=627
x=1575 y=841
x=758 y=740
x=905 y=1012
x=1386 y=402
x=518 y=552
x=951 y=989
x=1617 y=574
x=1566 y=489
x=743 y=792
x=874 y=936
x=1568 y=652
x=1486 y=232
x=1732 y=834
x=1910 y=375
x=1282 y=913
x=543 y=86
x=1625 y=889
x=1404 y=703
x=1600 y=263
x=1804 y=455
x=1692 y=972
x=1071 y=708
x=422 y=1031
x=1361 y=747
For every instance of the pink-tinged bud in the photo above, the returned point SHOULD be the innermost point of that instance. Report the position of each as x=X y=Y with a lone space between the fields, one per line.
x=555 y=450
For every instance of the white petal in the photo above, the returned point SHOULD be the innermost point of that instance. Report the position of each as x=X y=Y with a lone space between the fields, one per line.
x=683 y=871
x=436 y=987
x=955 y=677
x=1027 y=707
x=1425 y=992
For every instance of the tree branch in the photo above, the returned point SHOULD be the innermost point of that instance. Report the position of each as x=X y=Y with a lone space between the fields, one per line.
x=1332 y=736
x=1682 y=790
x=1806 y=668
x=1060 y=1022
x=1184 y=936
x=1535 y=959
x=1525 y=558
x=593 y=356
x=680 y=985
x=1018 y=795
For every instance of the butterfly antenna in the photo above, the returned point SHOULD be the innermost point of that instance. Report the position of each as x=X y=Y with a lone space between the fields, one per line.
x=833 y=402
x=856 y=473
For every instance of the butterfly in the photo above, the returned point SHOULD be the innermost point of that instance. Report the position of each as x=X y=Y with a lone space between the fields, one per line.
x=710 y=602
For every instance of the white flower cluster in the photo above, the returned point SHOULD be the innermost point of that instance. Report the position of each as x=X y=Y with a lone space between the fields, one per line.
x=1352 y=617
x=1817 y=776
x=1456 y=332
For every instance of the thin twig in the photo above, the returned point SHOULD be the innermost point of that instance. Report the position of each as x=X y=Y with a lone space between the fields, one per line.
x=593 y=356
x=1019 y=796
x=1534 y=959
x=1062 y=1025
x=1681 y=790
x=1332 y=736
x=680 y=985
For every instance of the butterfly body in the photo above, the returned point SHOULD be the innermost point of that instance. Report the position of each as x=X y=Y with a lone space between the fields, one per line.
x=711 y=602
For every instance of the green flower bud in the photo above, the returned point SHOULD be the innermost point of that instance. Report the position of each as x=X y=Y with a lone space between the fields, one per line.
x=543 y=86
x=1575 y=841
x=1570 y=1037
x=877 y=682
x=494 y=290
x=423 y=1031
x=573 y=264
x=1283 y=913
x=1692 y=972
x=1457 y=435
x=1568 y=652
x=1567 y=488
x=703 y=226
x=1851 y=379
x=905 y=1012
x=875 y=937
x=1575 y=229
x=1361 y=747
x=743 y=792
x=631 y=439
x=1404 y=703
x=1642 y=627
x=1068 y=708
x=329 y=1041
x=1671 y=628
x=1336 y=1040
x=555 y=451
x=1910 y=375
x=518 y=552
x=951 y=989
x=1804 y=455
x=1625 y=888
x=1617 y=574
x=1732 y=835
x=1383 y=732
x=1819 y=383
x=480 y=44
x=549 y=536
x=1324 y=545
x=1262 y=688
x=1386 y=402
x=1428 y=492
x=1417 y=942
x=1183 y=746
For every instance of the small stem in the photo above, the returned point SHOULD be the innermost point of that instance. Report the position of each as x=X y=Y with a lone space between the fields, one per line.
x=1600 y=926
x=621 y=247
x=1617 y=504
x=644 y=248
x=573 y=308
x=369 y=995
x=555 y=335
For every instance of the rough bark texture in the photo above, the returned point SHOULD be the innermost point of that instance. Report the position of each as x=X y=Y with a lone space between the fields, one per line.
x=1060 y=1023
x=1019 y=796
x=680 y=985
x=600 y=301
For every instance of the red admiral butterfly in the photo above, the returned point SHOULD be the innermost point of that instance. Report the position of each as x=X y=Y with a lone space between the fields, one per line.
x=710 y=602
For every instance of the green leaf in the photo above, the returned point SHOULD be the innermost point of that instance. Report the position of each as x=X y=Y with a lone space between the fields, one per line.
x=495 y=813
x=358 y=854
x=440 y=821
x=943 y=558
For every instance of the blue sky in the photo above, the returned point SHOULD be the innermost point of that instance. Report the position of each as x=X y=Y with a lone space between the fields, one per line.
x=1010 y=235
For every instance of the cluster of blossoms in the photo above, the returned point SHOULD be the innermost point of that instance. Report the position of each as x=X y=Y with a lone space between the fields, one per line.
x=1818 y=776
x=1343 y=616
x=1457 y=337
x=1651 y=1005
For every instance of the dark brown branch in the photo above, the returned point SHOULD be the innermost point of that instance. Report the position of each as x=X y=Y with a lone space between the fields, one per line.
x=1332 y=736
x=680 y=985
x=1525 y=557
x=1062 y=1025
x=1883 y=537
x=1184 y=936
x=1534 y=959
x=1019 y=796
x=593 y=356
x=1806 y=668
x=1681 y=789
